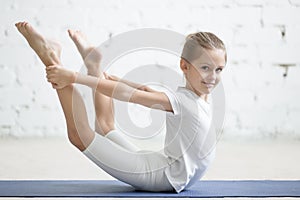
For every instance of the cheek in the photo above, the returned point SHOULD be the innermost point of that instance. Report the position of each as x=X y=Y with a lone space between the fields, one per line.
x=198 y=75
x=218 y=78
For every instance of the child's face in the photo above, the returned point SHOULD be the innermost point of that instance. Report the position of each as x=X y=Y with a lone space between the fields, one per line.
x=204 y=73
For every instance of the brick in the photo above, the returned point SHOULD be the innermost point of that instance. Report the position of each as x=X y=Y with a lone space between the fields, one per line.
x=39 y=5
x=243 y=54
x=33 y=76
x=292 y=79
x=15 y=96
x=2 y=35
x=21 y=132
x=280 y=53
x=281 y=15
x=54 y=131
x=11 y=16
x=100 y=5
x=250 y=35
x=273 y=120
x=236 y=16
x=117 y=22
x=7 y=5
x=274 y=3
x=66 y=17
x=71 y=57
x=250 y=3
x=12 y=55
x=12 y=36
x=17 y=131
x=46 y=97
x=7 y=77
x=5 y=131
x=239 y=101
x=292 y=122
x=224 y=33
x=212 y=4
x=292 y=34
x=36 y=117
x=7 y=117
x=295 y=3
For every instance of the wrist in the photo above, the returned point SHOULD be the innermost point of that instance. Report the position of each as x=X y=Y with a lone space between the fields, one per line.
x=74 y=77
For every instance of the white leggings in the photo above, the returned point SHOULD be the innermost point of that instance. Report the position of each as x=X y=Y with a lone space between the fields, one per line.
x=144 y=170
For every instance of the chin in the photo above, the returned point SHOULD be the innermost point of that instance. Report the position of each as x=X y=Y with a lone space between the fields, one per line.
x=208 y=91
x=204 y=91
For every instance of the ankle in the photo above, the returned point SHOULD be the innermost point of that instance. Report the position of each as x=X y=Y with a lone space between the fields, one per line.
x=95 y=73
x=49 y=58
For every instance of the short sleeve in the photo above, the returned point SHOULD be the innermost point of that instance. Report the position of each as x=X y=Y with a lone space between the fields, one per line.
x=174 y=102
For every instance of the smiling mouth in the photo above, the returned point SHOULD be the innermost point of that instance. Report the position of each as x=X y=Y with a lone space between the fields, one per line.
x=209 y=85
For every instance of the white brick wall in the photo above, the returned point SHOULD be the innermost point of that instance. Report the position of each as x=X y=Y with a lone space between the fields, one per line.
x=259 y=34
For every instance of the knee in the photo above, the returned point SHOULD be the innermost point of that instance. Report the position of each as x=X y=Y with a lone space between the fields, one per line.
x=75 y=139
x=105 y=127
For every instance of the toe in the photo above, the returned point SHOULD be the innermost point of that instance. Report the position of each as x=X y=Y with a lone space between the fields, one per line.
x=71 y=33
x=26 y=25
x=18 y=24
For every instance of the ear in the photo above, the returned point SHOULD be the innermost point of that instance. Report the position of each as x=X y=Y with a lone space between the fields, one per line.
x=184 y=65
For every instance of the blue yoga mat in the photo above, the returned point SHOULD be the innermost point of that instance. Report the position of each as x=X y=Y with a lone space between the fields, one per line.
x=95 y=188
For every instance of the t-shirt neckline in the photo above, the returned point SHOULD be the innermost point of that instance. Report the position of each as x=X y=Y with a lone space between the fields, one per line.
x=193 y=94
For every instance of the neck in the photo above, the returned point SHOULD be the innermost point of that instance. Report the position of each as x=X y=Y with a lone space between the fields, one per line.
x=202 y=96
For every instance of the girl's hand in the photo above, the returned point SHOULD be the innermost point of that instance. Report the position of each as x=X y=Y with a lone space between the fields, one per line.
x=111 y=77
x=59 y=76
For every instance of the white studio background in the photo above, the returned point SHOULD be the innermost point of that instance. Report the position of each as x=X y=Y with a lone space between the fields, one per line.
x=262 y=38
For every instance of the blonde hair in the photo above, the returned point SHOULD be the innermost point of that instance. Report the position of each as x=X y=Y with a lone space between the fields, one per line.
x=205 y=40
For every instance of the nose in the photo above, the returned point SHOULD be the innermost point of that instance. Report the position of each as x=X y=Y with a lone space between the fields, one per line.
x=211 y=77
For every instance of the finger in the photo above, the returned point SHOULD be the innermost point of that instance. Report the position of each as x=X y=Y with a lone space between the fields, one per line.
x=57 y=87
x=49 y=76
x=50 y=73
x=105 y=75
x=54 y=85
x=51 y=67
x=52 y=80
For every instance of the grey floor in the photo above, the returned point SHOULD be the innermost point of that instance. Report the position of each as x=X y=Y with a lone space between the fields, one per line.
x=55 y=158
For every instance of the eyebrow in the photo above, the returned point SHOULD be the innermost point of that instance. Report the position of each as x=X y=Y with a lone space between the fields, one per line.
x=210 y=64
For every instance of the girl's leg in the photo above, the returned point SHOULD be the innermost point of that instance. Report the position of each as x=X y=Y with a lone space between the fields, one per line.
x=79 y=132
x=143 y=171
x=104 y=107
x=113 y=153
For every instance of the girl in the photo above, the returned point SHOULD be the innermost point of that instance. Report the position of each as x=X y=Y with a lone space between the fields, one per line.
x=187 y=153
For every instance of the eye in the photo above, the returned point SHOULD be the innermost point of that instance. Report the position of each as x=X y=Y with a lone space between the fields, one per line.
x=204 y=68
x=219 y=69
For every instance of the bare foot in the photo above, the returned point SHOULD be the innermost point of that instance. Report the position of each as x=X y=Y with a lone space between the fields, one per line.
x=90 y=55
x=47 y=50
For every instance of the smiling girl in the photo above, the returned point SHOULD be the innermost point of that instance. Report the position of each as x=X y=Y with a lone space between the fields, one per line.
x=188 y=112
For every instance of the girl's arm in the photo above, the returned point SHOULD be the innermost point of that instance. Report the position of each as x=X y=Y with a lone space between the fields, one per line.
x=117 y=90
x=129 y=83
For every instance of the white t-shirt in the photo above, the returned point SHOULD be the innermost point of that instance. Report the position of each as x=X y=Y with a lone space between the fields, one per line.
x=189 y=143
